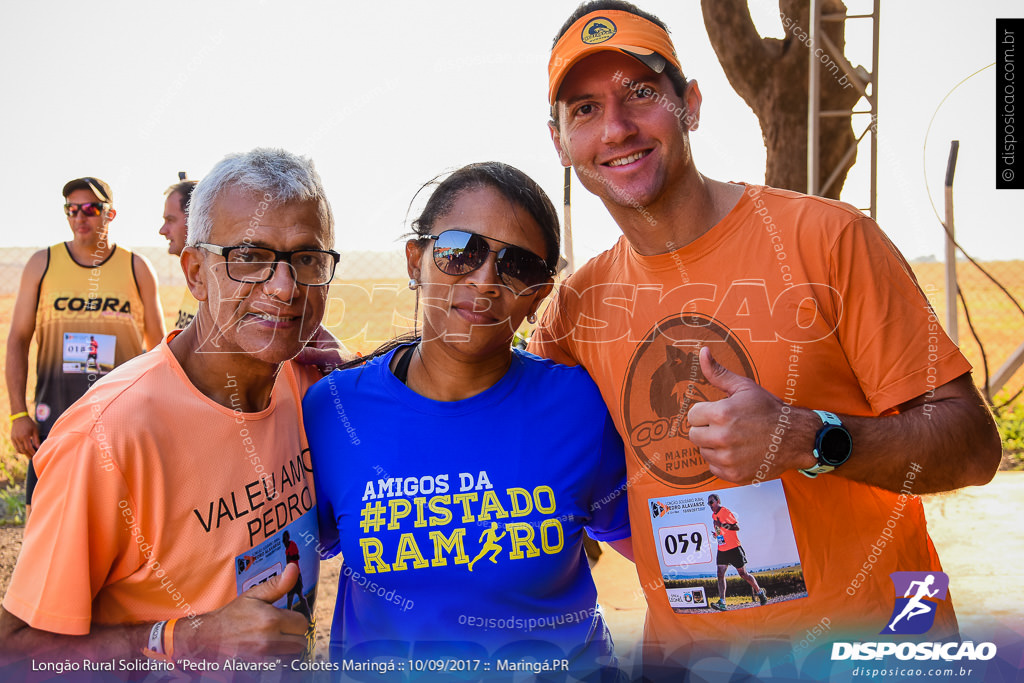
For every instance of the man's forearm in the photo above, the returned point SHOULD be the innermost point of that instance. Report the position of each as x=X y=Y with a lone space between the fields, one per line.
x=918 y=450
x=937 y=443
x=248 y=626
x=941 y=440
x=16 y=374
x=19 y=641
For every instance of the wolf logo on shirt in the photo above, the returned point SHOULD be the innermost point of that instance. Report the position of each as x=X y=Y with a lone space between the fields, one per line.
x=663 y=382
x=677 y=385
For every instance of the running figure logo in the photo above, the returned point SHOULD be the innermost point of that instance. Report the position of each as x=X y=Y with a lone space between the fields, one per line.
x=914 y=612
x=490 y=544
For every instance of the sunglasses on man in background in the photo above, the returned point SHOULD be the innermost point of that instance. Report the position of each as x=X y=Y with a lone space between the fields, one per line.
x=90 y=209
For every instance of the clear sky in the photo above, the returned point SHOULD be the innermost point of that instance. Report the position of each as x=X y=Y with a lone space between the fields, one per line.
x=385 y=95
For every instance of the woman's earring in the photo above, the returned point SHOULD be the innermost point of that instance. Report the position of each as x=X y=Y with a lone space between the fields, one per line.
x=414 y=283
x=532 y=318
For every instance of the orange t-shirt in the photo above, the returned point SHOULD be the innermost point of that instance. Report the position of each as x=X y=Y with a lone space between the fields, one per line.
x=152 y=499
x=809 y=298
x=730 y=537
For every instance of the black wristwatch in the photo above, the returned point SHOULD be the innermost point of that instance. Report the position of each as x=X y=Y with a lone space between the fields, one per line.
x=832 y=445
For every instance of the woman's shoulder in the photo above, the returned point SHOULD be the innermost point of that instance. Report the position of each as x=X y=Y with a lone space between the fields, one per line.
x=346 y=379
x=551 y=375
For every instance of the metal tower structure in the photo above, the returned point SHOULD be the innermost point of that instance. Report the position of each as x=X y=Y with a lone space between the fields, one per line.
x=865 y=82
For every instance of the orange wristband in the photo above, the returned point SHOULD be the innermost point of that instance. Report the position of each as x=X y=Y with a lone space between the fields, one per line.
x=169 y=639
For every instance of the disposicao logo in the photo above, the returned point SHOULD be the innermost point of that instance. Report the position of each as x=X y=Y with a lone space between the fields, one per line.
x=914 y=612
x=917 y=600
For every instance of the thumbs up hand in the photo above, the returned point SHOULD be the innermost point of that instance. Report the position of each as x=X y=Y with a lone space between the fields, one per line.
x=736 y=434
x=249 y=626
x=722 y=377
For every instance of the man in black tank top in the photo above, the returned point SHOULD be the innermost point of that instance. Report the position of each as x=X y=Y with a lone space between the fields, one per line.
x=101 y=308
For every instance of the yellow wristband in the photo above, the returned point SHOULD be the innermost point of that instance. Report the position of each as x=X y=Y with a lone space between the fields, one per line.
x=17 y=416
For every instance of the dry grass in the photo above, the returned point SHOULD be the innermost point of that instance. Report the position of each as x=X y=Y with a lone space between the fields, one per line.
x=997 y=321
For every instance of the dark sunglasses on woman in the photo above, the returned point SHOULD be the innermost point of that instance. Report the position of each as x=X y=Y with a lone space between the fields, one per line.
x=458 y=252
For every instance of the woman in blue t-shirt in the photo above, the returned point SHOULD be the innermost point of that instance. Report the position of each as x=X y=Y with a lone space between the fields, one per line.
x=455 y=474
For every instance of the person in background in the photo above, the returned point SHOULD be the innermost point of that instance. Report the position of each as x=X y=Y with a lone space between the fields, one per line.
x=175 y=229
x=77 y=298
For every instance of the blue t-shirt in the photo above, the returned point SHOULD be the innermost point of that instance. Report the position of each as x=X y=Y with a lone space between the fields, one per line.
x=461 y=523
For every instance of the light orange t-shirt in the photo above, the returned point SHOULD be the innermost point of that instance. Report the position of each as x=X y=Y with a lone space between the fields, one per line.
x=809 y=298
x=155 y=502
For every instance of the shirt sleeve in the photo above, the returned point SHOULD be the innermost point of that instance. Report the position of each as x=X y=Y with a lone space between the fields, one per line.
x=76 y=538
x=318 y=427
x=330 y=539
x=552 y=337
x=610 y=518
x=305 y=376
x=887 y=328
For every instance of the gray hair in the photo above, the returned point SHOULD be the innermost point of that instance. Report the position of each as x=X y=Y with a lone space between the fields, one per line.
x=276 y=174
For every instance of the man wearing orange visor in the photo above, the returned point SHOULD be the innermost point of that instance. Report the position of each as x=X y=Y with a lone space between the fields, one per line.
x=757 y=340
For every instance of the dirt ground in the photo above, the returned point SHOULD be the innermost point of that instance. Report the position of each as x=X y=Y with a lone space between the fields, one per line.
x=965 y=525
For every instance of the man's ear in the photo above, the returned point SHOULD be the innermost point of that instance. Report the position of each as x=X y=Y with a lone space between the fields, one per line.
x=556 y=138
x=692 y=99
x=111 y=212
x=195 y=276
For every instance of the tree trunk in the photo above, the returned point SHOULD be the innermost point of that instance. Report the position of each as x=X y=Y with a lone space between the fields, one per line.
x=771 y=75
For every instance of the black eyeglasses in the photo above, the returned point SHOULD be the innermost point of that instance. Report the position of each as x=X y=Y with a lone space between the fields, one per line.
x=458 y=252
x=90 y=209
x=313 y=267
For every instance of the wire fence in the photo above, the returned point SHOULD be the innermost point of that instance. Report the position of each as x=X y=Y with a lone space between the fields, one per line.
x=369 y=302
x=357 y=265
x=990 y=322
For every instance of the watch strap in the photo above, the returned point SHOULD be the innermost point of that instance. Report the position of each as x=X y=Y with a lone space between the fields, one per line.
x=812 y=472
x=829 y=418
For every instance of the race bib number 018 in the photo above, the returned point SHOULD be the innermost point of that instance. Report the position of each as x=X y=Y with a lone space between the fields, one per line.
x=88 y=353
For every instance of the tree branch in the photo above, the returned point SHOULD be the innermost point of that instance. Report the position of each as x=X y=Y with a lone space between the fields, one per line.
x=740 y=49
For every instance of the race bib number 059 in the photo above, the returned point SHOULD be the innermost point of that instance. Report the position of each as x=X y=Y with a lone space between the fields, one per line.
x=685 y=544
x=742 y=534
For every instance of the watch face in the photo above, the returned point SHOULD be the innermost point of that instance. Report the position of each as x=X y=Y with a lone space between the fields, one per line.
x=834 y=445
